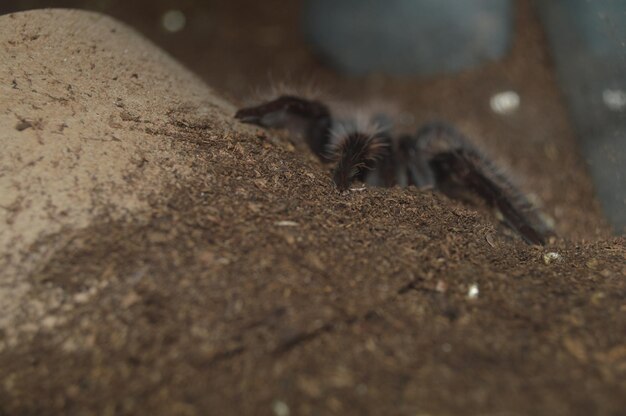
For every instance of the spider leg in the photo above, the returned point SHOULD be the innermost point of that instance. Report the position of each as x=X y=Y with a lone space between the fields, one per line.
x=356 y=156
x=415 y=166
x=311 y=119
x=458 y=166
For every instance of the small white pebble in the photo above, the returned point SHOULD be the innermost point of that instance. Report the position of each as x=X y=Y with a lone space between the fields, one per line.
x=615 y=100
x=173 y=21
x=472 y=292
x=280 y=408
x=49 y=322
x=551 y=257
x=82 y=297
x=504 y=102
x=359 y=189
x=286 y=224
x=223 y=261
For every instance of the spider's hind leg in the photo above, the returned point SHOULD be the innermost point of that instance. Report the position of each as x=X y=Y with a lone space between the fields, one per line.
x=310 y=119
x=458 y=167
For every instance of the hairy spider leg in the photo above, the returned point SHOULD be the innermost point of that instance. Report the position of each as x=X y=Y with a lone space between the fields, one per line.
x=415 y=166
x=384 y=172
x=437 y=156
x=356 y=155
x=310 y=119
x=457 y=165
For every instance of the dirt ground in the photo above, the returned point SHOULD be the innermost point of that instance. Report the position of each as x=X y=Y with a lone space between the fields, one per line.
x=159 y=258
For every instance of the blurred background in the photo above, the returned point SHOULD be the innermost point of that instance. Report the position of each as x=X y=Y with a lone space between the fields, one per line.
x=540 y=84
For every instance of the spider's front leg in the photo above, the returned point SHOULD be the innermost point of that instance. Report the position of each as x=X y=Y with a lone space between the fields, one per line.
x=356 y=154
x=310 y=119
x=458 y=167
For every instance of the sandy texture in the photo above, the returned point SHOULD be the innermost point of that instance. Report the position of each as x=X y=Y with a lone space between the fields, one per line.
x=184 y=264
x=82 y=100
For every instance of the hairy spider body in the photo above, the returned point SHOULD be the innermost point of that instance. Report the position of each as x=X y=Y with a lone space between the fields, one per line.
x=436 y=157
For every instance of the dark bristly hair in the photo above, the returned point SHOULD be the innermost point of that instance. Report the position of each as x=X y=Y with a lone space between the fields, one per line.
x=438 y=156
x=354 y=154
x=458 y=164
x=309 y=119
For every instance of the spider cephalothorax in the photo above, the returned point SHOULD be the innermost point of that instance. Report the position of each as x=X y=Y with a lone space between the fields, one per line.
x=437 y=156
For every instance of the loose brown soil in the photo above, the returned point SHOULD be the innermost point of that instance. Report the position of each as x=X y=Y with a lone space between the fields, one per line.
x=158 y=258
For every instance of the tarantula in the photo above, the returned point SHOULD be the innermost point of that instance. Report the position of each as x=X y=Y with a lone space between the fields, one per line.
x=437 y=156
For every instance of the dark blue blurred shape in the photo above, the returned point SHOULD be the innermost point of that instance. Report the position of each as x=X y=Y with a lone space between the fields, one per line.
x=408 y=36
x=587 y=38
x=588 y=41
